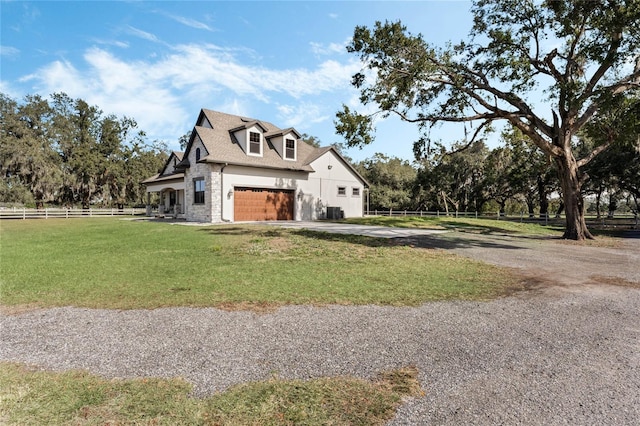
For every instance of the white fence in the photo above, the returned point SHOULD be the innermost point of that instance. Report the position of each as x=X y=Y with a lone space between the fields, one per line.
x=621 y=219
x=20 y=213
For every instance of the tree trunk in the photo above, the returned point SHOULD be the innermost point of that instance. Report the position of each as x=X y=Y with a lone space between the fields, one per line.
x=575 y=225
x=544 y=201
x=531 y=206
x=502 y=203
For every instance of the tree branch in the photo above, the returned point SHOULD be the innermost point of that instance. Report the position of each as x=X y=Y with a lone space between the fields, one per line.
x=593 y=154
x=604 y=66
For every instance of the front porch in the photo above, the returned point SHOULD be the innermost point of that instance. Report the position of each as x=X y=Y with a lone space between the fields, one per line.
x=171 y=196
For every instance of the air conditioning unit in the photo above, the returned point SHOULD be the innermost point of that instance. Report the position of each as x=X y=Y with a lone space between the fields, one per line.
x=334 y=213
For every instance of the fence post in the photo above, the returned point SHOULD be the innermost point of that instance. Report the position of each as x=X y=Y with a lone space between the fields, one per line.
x=46 y=213
x=24 y=213
x=90 y=214
x=437 y=213
x=66 y=214
x=476 y=214
x=390 y=212
x=111 y=211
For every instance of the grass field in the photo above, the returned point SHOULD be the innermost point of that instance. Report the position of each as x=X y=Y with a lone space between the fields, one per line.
x=124 y=264
x=29 y=397
x=485 y=226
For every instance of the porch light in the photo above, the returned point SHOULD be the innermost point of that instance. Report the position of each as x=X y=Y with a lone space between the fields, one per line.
x=300 y=195
x=230 y=193
x=329 y=166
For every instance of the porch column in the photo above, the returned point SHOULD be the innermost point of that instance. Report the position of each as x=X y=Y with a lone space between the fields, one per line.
x=148 y=204
x=177 y=209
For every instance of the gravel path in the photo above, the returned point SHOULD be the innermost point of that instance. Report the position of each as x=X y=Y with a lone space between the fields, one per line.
x=568 y=354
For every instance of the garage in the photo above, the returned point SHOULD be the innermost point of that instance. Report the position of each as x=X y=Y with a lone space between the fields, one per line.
x=262 y=204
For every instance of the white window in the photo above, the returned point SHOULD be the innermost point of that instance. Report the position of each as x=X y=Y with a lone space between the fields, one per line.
x=290 y=149
x=355 y=192
x=254 y=143
x=342 y=191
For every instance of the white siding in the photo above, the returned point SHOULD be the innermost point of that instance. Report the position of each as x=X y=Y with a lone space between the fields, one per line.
x=332 y=173
x=279 y=144
x=243 y=139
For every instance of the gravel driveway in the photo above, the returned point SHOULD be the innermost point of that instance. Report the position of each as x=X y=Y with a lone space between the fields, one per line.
x=567 y=353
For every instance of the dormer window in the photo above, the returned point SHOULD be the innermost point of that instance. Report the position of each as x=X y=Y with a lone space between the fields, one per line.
x=290 y=149
x=254 y=143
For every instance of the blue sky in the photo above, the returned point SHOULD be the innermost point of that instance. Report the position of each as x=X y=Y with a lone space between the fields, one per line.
x=161 y=62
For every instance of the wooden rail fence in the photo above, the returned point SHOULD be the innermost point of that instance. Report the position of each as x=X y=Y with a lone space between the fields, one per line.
x=621 y=219
x=20 y=213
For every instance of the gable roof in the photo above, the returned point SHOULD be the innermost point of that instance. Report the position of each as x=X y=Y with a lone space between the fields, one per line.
x=222 y=147
x=323 y=150
x=167 y=172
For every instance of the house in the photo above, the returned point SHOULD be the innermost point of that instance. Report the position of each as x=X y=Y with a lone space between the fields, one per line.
x=242 y=169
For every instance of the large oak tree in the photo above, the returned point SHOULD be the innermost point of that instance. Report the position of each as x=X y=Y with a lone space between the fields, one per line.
x=582 y=56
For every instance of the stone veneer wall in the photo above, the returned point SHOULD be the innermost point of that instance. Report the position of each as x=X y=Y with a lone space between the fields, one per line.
x=210 y=211
x=215 y=193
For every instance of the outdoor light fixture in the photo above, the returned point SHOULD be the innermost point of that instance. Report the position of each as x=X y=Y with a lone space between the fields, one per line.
x=329 y=166
x=230 y=193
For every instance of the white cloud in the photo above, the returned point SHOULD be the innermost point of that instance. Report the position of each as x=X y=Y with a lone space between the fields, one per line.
x=9 y=52
x=320 y=49
x=301 y=114
x=162 y=93
x=117 y=43
x=9 y=90
x=333 y=15
x=141 y=34
x=191 y=22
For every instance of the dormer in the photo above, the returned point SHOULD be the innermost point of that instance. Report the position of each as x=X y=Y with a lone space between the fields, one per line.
x=250 y=137
x=285 y=143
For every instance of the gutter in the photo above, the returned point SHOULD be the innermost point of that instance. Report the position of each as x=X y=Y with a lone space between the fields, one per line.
x=222 y=195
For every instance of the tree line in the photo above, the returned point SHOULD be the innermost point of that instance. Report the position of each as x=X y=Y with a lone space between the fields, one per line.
x=514 y=178
x=554 y=70
x=66 y=152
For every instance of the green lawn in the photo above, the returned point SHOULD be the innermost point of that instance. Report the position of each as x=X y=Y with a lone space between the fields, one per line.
x=484 y=226
x=125 y=264
x=29 y=397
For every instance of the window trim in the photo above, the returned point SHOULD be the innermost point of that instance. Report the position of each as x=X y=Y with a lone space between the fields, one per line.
x=196 y=198
x=355 y=191
x=293 y=149
x=250 y=142
x=342 y=191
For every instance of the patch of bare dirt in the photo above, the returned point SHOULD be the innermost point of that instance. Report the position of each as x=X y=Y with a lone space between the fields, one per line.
x=543 y=263
x=19 y=309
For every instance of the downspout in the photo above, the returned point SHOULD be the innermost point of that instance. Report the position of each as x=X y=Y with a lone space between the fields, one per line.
x=222 y=195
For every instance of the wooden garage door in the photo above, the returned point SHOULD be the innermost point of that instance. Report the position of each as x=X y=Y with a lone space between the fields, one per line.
x=262 y=204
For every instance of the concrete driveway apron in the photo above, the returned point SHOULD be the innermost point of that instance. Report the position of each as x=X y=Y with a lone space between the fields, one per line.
x=352 y=229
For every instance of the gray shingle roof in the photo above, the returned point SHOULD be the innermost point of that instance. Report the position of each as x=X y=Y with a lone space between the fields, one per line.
x=222 y=146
